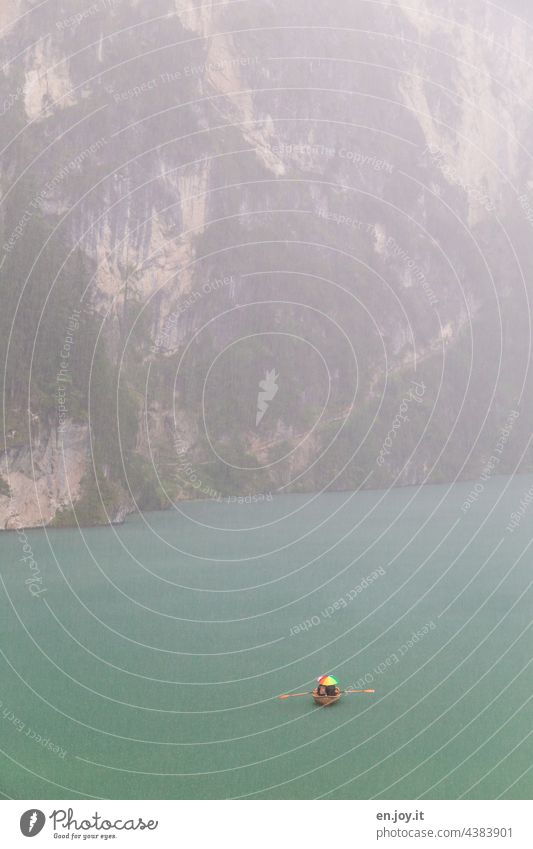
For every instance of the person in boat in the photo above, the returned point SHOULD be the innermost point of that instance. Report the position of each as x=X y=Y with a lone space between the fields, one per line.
x=327 y=690
x=327 y=686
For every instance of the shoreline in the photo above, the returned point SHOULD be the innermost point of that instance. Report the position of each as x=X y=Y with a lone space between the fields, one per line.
x=239 y=501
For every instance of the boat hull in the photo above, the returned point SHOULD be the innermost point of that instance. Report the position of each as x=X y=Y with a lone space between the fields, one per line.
x=324 y=701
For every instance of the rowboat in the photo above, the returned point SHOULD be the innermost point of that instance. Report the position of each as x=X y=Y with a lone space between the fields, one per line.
x=324 y=701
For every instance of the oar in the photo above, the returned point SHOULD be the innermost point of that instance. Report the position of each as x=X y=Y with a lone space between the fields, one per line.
x=359 y=691
x=292 y=695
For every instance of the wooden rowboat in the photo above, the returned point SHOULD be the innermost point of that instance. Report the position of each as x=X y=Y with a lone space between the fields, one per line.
x=324 y=701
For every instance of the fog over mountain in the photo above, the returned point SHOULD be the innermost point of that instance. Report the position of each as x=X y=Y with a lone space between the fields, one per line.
x=250 y=248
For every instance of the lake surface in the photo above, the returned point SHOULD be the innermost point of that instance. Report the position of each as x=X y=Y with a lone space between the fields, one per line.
x=150 y=666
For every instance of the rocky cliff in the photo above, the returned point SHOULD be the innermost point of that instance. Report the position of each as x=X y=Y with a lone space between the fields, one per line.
x=251 y=247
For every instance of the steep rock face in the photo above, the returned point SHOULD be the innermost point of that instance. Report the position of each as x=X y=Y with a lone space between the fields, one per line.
x=43 y=477
x=47 y=85
x=471 y=119
x=240 y=190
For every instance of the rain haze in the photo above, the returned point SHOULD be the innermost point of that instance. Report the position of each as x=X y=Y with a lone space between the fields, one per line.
x=265 y=346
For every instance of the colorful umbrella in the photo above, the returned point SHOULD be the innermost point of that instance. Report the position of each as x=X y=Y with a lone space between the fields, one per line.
x=327 y=680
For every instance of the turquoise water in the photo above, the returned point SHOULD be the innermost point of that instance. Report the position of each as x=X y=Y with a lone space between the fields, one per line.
x=150 y=666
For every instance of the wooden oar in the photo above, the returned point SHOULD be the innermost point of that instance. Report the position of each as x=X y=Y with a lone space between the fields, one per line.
x=359 y=691
x=292 y=695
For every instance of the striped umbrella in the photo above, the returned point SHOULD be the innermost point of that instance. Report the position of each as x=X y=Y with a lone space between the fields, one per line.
x=327 y=680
